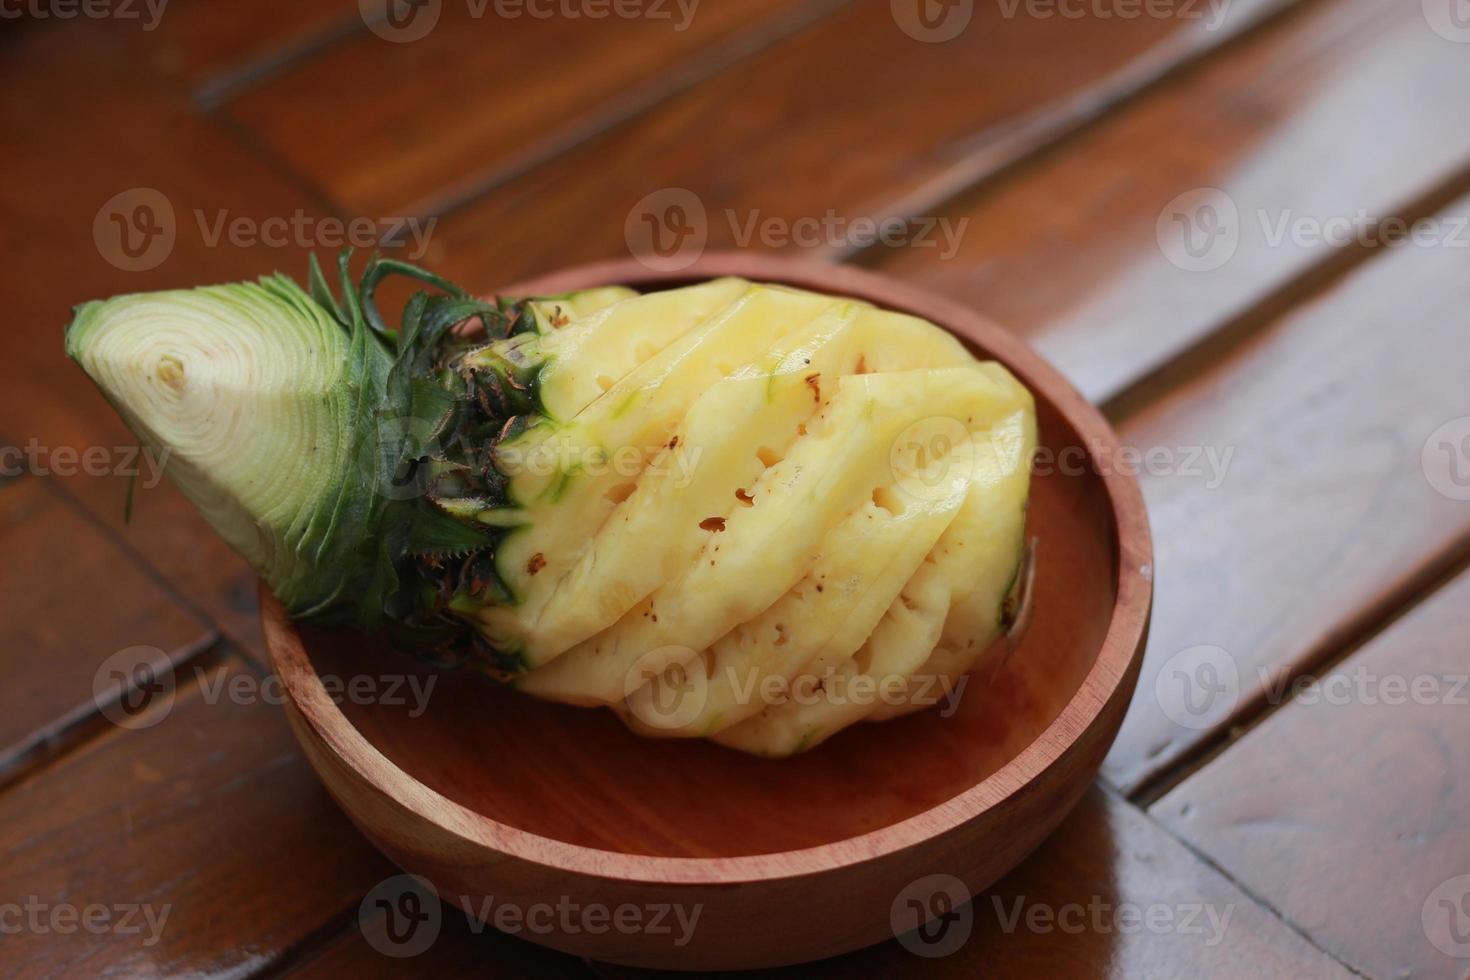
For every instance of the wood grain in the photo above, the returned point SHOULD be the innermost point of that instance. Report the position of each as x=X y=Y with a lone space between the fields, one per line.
x=460 y=949
x=850 y=117
x=1317 y=118
x=1326 y=390
x=485 y=94
x=1344 y=809
x=68 y=601
x=60 y=182
x=216 y=44
x=210 y=818
x=1323 y=519
x=1067 y=912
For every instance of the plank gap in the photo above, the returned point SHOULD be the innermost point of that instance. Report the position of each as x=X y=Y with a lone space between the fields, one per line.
x=124 y=544
x=60 y=738
x=224 y=84
x=317 y=941
x=1260 y=901
x=1345 y=640
x=1334 y=267
x=314 y=194
x=1025 y=143
x=684 y=75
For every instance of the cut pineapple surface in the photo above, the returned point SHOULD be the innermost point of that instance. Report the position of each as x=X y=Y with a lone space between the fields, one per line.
x=834 y=543
x=733 y=510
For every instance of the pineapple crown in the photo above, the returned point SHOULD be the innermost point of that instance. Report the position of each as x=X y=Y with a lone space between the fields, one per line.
x=431 y=403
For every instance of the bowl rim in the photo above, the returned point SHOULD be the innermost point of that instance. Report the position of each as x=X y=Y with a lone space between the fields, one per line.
x=1122 y=643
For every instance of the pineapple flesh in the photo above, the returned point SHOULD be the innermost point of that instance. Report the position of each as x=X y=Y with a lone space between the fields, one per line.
x=734 y=510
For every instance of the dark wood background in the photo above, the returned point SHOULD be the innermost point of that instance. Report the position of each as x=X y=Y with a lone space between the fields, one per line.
x=1335 y=374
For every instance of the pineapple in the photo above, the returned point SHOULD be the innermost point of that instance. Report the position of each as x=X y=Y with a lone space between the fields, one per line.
x=733 y=510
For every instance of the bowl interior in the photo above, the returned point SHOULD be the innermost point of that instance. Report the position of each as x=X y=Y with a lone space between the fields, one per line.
x=576 y=775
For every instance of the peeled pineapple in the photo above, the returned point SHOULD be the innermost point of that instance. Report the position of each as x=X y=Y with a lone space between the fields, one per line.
x=733 y=510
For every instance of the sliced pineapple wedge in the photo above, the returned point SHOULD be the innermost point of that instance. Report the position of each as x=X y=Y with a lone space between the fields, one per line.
x=756 y=554
x=825 y=618
x=822 y=703
x=566 y=479
x=653 y=529
x=610 y=332
x=950 y=606
x=947 y=617
x=980 y=555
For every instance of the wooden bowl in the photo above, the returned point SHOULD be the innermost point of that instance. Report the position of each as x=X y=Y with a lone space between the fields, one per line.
x=490 y=793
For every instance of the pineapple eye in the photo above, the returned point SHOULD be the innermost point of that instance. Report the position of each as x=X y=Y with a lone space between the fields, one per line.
x=887 y=500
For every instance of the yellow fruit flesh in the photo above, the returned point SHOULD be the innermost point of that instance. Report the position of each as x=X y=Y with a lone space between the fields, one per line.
x=765 y=549
x=825 y=618
x=697 y=474
x=980 y=555
x=603 y=343
x=941 y=624
x=832 y=700
x=569 y=477
x=779 y=539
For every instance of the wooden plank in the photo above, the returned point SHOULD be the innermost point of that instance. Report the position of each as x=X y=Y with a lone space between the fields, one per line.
x=1080 y=906
x=209 y=817
x=70 y=602
x=1318 y=118
x=81 y=151
x=210 y=820
x=1346 y=808
x=221 y=43
x=484 y=94
x=458 y=950
x=850 y=117
x=1317 y=517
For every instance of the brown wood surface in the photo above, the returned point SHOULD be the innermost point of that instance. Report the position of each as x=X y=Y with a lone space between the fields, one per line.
x=1323 y=520
x=1320 y=117
x=1062 y=139
x=454 y=114
x=40 y=624
x=174 y=816
x=91 y=149
x=217 y=45
x=1065 y=913
x=850 y=117
x=1366 y=764
x=461 y=949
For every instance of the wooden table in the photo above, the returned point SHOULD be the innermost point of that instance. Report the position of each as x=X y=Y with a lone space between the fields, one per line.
x=1200 y=214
